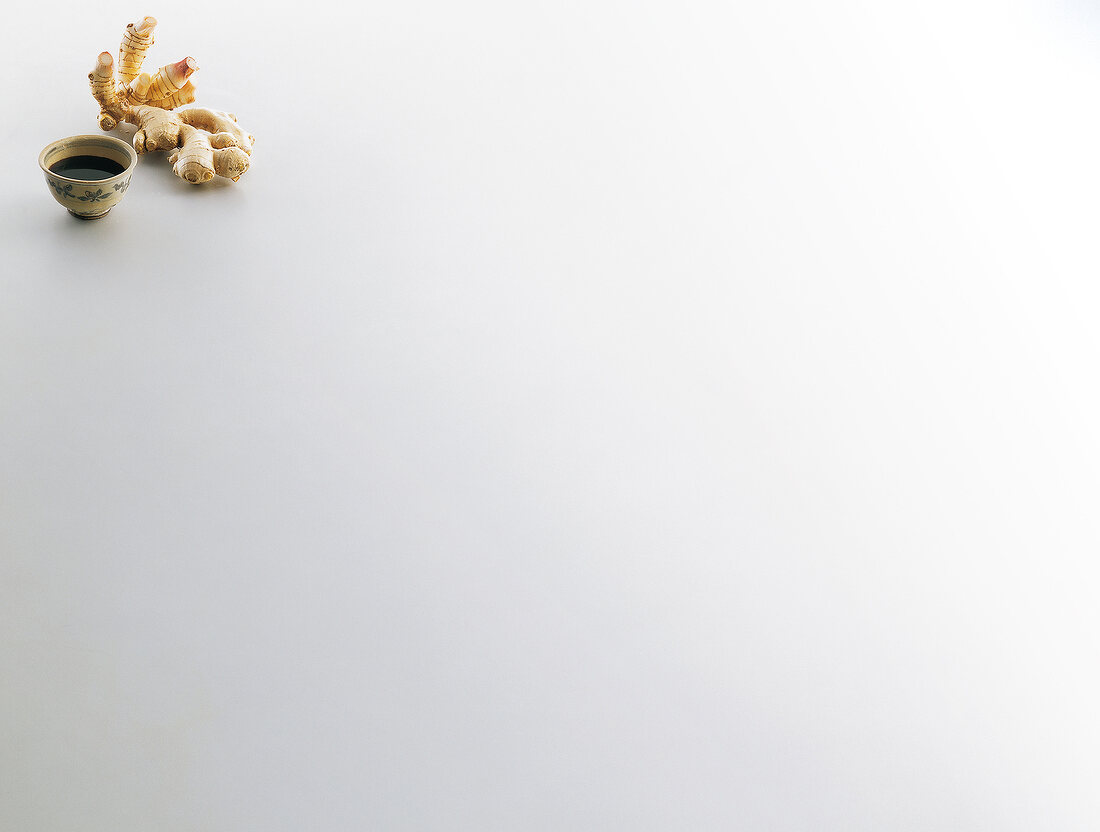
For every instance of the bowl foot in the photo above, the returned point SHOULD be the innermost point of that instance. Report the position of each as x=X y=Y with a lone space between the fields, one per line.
x=89 y=216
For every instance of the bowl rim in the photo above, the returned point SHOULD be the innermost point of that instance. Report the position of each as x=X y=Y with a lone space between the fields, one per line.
x=129 y=148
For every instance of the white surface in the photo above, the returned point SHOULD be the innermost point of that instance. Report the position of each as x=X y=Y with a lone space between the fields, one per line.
x=583 y=416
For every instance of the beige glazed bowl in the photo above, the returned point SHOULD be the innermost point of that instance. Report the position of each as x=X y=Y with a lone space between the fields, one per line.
x=88 y=199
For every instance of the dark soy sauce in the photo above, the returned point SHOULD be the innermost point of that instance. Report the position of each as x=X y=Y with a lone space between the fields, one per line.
x=87 y=168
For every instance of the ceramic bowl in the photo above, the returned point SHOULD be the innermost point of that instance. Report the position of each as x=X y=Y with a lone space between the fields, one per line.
x=84 y=198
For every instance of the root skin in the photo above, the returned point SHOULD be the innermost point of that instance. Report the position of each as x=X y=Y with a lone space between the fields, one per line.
x=136 y=41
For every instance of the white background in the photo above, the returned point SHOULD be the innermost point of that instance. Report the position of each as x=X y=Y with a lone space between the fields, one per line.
x=583 y=416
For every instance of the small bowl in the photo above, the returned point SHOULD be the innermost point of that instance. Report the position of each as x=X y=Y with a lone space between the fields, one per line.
x=83 y=198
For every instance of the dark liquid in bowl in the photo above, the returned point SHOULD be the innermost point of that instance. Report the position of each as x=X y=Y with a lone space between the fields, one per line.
x=87 y=168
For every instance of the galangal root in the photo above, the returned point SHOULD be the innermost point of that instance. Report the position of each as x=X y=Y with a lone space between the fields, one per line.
x=201 y=142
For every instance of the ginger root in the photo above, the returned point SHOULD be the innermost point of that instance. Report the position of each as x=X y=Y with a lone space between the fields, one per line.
x=201 y=142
